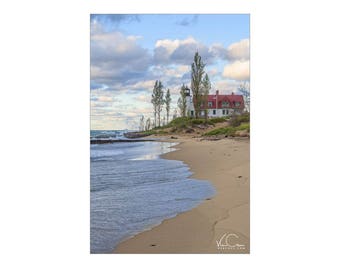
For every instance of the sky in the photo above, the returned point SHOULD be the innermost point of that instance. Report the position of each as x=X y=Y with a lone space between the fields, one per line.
x=130 y=52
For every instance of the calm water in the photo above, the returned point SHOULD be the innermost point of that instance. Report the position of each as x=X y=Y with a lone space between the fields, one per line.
x=133 y=190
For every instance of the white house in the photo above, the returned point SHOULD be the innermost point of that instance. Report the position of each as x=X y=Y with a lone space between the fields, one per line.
x=218 y=105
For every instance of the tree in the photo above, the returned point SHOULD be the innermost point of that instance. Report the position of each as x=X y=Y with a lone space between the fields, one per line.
x=154 y=101
x=163 y=121
x=174 y=116
x=182 y=101
x=206 y=86
x=141 y=123
x=244 y=90
x=197 y=72
x=167 y=104
x=148 y=124
x=157 y=101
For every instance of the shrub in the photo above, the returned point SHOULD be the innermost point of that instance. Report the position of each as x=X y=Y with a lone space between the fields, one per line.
x=229 y=131
x=218 y=120
x=236 y=120
x=179 y=121
x=197 y=121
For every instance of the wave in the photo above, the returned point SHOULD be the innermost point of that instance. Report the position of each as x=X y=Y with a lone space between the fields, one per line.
x=105 y=153
x=107 y=134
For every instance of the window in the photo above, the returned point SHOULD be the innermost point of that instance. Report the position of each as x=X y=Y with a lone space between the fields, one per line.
x=210 y=104
x=192 y=113
x=223 y=111
x=227 y=111
x=225 y=104
x=237 y=104
x=214 y=112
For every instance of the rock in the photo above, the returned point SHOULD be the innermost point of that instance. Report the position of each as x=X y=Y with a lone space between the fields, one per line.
x=189 y=130
x=120 y=141
x=173 y=137
x=133 y=135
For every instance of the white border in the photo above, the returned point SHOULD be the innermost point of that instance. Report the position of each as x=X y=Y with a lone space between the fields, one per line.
x=45 y=123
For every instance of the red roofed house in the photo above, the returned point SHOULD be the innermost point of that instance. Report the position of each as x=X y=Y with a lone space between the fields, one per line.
x=219 y=105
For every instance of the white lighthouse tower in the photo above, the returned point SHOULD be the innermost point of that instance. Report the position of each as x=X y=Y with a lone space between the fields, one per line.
x=188 y=98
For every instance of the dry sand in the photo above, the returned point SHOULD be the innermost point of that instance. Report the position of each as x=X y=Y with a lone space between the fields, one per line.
x=223 y=218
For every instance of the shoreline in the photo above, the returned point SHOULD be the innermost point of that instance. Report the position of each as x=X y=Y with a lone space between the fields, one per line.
x=219 y=224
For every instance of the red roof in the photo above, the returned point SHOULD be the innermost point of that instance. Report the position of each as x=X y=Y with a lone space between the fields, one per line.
x=226 y=101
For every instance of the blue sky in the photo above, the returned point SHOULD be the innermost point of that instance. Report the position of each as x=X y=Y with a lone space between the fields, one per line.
x=130 y=52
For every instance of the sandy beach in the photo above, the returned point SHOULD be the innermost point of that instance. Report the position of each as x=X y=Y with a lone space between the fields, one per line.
x=218 y=225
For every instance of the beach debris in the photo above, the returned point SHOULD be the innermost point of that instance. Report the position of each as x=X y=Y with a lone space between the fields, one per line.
x=189 y=130
x=201 y=126
x=173 y=137
x=153 y=245
x=211 y=139
x=240 y=176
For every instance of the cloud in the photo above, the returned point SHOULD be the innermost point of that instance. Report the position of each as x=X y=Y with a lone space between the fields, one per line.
x=238 y=50
x=177 y=51
x=143 y=98
x=219 y=51
x=116 y=59
x=238 y=70
x=226 y=86
x=187 y=21
x=238 y=54
x=143 y=85
x=115 y=19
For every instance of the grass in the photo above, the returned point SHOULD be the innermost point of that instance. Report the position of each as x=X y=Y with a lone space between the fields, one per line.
x=190 y=122
x=229 y=131
x=180 y=124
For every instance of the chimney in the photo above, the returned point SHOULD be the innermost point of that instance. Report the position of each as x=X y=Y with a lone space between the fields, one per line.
x=216 y=99
x=232 y=93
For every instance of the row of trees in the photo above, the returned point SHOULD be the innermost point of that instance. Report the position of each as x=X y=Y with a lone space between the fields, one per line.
x=148 y=124
x=200 y=87
x=158 y=100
